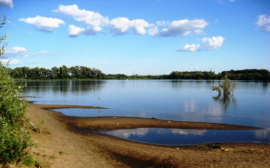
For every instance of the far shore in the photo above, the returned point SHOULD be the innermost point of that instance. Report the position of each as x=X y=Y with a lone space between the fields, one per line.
x=61 y=144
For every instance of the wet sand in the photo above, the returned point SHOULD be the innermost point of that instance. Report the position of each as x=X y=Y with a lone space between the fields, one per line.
x=61 y=143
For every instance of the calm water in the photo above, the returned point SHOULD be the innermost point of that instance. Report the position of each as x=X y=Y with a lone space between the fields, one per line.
x=183 y=100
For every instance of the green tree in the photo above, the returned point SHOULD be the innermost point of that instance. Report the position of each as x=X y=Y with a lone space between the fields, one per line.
x=63 y=72
x=54 y=72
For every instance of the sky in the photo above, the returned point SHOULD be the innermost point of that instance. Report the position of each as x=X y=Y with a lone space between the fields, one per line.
x=138 y=36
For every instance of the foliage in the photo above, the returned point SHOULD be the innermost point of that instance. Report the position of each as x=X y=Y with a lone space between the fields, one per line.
x=14 y=136
x=247 y=74
x=63 y=72
x=225 y=87
x=82 y=72
x=2 y=38
x=193 y=75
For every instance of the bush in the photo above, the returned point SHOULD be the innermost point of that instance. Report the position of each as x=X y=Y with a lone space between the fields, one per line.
x=14 y=136
x=225 y=86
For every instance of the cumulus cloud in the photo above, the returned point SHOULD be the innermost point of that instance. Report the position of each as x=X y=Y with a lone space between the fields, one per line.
x=212 y=43
x=190 y=48
x=6 y=3
x=43 y=23
x=94 y=20
x=183 y=27
x=153 y=31
x=122 y=25
x=75 y=31
x=263 y=22
x=13 y=61
x=207 y=44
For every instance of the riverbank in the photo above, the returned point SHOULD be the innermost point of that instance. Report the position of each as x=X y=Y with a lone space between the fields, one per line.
x=61 y=144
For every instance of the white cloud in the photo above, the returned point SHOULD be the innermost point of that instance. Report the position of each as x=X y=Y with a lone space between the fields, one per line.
x=162 y=23
x=153 y=31
x=92 y=19
x=122 y=25
x=6 y=3
x=212 y=43
x=43 y=23
x=16 y=51
x=190 y=48
x=21 y=51
x=199 y=31
x=75 y=31
x=207 y=43
x=139 y=26
x=264 y=22
x=13 y=61
x=183 y=27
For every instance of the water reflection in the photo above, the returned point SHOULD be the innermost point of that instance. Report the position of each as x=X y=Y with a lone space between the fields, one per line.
x=264 y=133
x=126 y=133
x=164 y=136
x=62 y=85
x=181 y=131
x=225 y=100
x=140 y=132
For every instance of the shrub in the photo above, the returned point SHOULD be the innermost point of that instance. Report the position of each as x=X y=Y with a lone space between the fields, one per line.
x=14 y=136
x=225 y=86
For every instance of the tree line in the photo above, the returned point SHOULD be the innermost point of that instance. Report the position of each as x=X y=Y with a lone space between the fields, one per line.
x=247 y=74
x=63 y=72
x=82 y=72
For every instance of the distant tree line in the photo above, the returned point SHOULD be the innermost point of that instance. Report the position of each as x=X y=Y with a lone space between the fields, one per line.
x=82 y=72
x=247 y=74
x=63 y=72
x=193 y=75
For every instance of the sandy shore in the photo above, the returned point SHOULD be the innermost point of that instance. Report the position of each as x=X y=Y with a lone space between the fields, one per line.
x=61 y=144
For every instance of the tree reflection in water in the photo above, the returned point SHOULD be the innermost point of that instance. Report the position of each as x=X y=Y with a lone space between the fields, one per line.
x=225 y=100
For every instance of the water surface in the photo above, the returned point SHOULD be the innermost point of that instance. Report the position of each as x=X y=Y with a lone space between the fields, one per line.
x=181 y=100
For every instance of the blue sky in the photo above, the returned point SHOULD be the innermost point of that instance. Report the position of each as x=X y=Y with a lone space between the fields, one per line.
x=141 y=36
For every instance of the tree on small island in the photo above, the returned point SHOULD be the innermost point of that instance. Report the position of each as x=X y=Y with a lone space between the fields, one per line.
x=225 y=86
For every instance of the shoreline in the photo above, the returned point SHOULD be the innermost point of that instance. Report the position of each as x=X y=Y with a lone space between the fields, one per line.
x=99 y=150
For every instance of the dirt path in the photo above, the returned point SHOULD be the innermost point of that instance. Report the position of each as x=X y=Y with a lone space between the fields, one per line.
x=65 y=146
